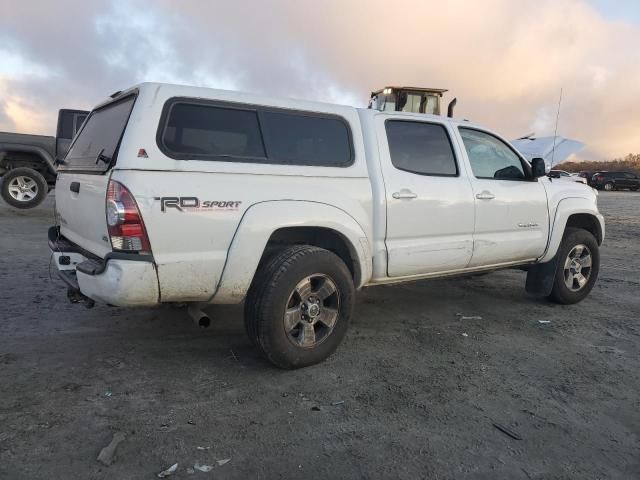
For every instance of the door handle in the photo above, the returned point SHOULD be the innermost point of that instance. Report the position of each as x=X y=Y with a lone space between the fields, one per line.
x=485 y=195
x=404 y=194
x=75 y=187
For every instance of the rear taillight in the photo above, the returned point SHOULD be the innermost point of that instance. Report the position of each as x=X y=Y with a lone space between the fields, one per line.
x=599 y=177
x=125 y=224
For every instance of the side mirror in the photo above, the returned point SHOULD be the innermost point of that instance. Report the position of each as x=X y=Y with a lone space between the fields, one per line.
x=538 y=167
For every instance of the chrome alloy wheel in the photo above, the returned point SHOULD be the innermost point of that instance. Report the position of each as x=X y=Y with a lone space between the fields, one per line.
x=312 y=310
x=23 y=189
x=577 y=267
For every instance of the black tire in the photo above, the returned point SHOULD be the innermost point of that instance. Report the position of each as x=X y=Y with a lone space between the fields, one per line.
x=609 y=187
x=11 y=180
x=274 y=286
x=573 y=237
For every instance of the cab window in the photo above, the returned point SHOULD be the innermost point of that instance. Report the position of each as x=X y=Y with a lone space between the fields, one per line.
x=490 y=157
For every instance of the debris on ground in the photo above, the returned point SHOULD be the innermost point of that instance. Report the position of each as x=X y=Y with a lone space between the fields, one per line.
x=608 y=349
x=315 y=408
x=465 y=334
x=203 y=448
x=544 y=321
x=224 y=461
x=108 y=394
x=169 y=471
x=107 y=453
x=471 y=317
x=190 y=471
x=337 y=402
x=234 y=355
x=203 y=468
x=507 y=431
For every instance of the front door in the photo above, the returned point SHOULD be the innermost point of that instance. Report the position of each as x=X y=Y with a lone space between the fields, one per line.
x=430 y=205
x=512 y=218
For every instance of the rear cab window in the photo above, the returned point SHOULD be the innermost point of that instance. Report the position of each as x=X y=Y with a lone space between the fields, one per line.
x=218 y=131
x=421 y=148
x=96 y=145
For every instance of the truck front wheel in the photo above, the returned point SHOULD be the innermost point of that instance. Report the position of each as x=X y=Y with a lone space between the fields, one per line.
x=578 y=266
x=299 y=305
x=23 y=187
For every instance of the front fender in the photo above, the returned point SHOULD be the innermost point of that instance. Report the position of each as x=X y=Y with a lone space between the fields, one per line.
x=258 y=224
x=567 y=207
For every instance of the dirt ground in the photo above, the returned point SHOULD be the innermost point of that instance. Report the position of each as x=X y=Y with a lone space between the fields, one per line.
x=412 y=393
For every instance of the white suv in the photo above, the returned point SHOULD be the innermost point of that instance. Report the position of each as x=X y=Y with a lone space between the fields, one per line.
x=174 y=194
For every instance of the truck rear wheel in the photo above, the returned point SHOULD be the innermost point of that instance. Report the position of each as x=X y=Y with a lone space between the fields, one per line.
x=23 y=188
x=578 y=266
x=299 y=306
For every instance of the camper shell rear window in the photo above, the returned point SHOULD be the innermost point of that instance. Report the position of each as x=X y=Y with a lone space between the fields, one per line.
x=195 y=129
x=96 y=145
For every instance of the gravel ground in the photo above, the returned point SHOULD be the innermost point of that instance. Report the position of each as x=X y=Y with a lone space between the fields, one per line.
x=412 y=393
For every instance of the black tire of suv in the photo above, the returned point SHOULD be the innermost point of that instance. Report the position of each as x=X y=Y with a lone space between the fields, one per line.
x=573 y=237
x=41 y=184
x=611 y=186
x=268 y=296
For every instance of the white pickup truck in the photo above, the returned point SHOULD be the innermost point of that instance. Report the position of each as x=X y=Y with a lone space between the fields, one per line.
x=174 y=194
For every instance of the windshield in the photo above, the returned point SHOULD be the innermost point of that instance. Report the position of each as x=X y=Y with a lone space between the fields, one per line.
x=97 y=142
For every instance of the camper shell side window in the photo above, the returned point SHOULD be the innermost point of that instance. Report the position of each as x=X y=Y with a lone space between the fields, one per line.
x=196 y=129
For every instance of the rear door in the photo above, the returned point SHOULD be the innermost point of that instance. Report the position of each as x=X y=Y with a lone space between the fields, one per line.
x=430 y=210
x=84 y=175
x=625 y=180
x=512 y=218
x=634 y=180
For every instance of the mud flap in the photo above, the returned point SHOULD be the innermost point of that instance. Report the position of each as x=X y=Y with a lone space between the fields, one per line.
x=540 y=278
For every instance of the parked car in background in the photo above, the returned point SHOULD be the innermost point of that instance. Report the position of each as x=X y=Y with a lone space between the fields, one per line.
x=615 y=181
x=562 y=175
x=174 y=194
x=587 y=176
x=28 y=162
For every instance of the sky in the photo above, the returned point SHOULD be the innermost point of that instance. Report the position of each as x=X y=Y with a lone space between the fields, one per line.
x=504 y=60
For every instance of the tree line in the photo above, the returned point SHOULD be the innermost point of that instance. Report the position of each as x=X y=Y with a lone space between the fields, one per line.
x=629 y=163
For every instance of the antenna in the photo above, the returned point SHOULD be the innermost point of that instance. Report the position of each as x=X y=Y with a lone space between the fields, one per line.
x=555 y=133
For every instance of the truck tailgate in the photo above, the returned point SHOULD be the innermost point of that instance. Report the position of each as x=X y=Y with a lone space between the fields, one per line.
x=80 y=207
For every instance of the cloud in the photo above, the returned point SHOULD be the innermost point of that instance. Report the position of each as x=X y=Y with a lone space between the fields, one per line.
x=505 y=61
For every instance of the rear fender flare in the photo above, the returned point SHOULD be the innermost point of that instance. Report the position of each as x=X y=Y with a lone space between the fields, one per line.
x=41 y=152
x=258 y=224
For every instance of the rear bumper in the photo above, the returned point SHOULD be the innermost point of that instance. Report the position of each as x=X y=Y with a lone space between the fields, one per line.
x=120 y=279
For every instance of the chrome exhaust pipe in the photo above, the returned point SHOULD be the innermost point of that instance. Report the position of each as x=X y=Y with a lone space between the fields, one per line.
x=200 y=318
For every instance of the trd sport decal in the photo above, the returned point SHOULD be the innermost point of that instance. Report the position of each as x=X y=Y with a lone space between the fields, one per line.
x=187 y=204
